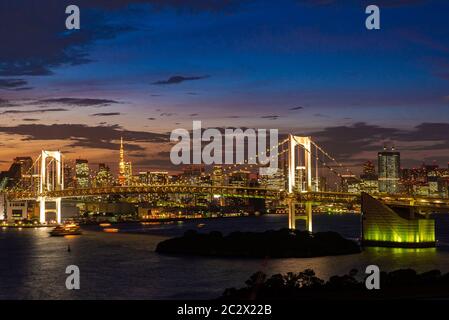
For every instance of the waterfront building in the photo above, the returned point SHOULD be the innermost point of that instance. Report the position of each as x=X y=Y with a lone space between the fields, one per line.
x=17 y=210
x=394 y=227
x=389 y=163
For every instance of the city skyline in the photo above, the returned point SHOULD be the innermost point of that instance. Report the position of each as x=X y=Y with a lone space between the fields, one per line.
x=162 y=150
x=122 y=74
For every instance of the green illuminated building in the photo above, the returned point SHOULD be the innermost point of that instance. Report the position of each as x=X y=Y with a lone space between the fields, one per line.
x=383 y=226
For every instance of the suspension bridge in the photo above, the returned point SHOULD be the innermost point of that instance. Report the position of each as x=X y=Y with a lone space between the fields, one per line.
x=301 y=164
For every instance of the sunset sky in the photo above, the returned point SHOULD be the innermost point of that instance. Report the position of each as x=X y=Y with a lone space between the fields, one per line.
x=141 y=68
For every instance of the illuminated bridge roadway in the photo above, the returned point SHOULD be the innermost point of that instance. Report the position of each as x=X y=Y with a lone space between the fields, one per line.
x=314 y=198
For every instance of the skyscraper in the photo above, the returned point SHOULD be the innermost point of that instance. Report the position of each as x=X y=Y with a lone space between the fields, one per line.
x=82 y=173
x=128 y=173
x=122 y=164
x=103 y=178
x=69 y=181
x=389 y=163
x=20 y=171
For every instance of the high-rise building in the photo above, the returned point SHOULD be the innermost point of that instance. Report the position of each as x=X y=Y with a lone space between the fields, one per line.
x=122 y=164
x=369 y=179
x=349 y=183
x=20 y=171
x=69 y=181
x=300 y=179
x=369 y=169
x=389 y=163
x=82 y=173
x=128 y=173
x=104 y=177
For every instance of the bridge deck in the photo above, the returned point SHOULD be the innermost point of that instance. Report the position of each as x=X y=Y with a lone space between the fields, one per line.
x=233 y=191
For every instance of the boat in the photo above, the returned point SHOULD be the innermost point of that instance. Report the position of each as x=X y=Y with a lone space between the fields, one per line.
x=66 y=230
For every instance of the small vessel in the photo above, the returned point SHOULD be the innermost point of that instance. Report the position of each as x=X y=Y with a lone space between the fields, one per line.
x=66 y=230
x=105 y=224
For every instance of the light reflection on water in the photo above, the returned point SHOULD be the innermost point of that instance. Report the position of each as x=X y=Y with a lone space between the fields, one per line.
x=123 y=265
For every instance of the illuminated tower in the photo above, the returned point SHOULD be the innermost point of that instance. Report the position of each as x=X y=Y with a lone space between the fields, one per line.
x=122 y=164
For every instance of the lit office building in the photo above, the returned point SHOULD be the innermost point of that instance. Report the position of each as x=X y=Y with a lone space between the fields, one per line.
x=217 y=176
x=369 y=179
x=276 y=181
x=192 y=173
x=349 y=183
x=389 y=163
x=143 y=178
x=158 y=177
x=69 y=179
x=104 y=177
x=300 y=177
x=122 y=164
x=82 y=173
x=20 y=171
x=239 y=179
x=128 y=173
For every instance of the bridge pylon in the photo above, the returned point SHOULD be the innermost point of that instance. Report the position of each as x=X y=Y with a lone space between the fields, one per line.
x=293 y=158
x=51 y=178
x=304 y=144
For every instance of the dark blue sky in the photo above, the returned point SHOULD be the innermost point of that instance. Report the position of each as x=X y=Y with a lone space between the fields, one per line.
x=142 y=68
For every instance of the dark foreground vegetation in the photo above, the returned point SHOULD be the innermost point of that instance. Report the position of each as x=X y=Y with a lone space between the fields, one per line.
x=399 y=284
x=283 y=243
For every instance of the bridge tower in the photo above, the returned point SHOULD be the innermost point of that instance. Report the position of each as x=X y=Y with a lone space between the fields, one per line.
x=51 y=178
x=296 y=147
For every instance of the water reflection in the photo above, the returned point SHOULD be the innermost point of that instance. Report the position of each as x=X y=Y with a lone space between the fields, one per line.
x=122 y=265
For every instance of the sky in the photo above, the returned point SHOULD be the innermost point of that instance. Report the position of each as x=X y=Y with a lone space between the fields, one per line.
x=141 y=68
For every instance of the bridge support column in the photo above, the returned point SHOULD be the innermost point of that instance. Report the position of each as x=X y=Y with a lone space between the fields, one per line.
x=291 y=213
x=42 y=210
x=309 y=224
x=58 y=210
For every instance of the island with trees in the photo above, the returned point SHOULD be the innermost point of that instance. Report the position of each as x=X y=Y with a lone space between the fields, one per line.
x=282 y=243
